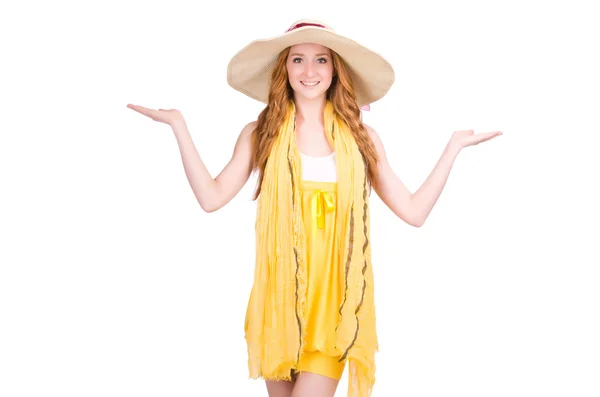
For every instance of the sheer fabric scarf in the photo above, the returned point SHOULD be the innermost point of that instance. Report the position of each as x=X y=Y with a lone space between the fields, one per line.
x=275 y=318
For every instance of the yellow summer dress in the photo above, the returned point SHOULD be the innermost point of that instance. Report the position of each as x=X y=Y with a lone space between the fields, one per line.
x=318 y=188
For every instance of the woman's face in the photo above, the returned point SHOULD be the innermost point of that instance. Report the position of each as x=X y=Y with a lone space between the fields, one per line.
x=310 y=69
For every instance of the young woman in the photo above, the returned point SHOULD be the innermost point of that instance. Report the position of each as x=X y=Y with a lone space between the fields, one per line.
x=311 y=309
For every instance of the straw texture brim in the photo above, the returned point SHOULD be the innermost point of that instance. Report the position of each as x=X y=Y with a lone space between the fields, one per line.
x=250 y=69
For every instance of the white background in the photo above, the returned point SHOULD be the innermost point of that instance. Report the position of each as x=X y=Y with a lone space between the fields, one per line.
x=114 y=282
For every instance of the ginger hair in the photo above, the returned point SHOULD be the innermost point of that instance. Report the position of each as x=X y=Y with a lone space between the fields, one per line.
x=343 y=98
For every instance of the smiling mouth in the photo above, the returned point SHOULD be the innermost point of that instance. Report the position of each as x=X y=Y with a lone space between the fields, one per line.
x=310 y=84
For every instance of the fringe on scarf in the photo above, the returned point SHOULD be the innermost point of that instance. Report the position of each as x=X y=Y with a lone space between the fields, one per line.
x=275 y=324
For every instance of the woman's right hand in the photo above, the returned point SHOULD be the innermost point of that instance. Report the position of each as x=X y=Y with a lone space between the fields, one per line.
x=167 y=116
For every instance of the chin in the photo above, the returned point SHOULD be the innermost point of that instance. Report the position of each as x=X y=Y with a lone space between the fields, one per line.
x=313 y=96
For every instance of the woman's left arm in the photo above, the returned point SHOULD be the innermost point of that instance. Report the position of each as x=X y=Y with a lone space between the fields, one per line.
x=414 y=208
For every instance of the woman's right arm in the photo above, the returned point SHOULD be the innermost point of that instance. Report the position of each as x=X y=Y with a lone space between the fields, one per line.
x=213 y=193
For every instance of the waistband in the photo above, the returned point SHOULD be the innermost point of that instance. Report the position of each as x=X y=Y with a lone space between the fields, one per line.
x=314 y=185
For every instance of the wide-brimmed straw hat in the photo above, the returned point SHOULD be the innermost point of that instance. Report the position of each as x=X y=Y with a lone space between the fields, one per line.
x=249 y=71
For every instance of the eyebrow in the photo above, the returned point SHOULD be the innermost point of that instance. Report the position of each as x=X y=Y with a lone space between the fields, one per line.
x=318 y=55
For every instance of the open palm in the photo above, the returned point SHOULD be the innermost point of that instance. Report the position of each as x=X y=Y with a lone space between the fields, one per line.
x=167 y=116
x=464 y=138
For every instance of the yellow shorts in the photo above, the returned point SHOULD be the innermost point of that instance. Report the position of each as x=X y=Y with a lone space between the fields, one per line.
x=319 y=363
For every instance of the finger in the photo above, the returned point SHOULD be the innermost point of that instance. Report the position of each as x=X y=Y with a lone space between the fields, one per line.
x=137 y=108
x=141 y=109
x=493 y=134
x=487 y=136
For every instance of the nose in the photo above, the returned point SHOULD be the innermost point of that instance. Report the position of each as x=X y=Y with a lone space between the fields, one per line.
x=309 y=70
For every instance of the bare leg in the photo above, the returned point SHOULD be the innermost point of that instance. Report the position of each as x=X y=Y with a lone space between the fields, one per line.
x=310 y=385
x=281 y=388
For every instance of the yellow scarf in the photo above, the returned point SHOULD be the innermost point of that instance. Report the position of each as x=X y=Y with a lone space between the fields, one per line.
x=275 y=322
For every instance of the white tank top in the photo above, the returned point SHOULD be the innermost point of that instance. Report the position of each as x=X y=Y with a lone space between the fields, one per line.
x=320 y=169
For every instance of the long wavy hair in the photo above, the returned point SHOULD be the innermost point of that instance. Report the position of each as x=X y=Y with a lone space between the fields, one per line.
x=343 y=98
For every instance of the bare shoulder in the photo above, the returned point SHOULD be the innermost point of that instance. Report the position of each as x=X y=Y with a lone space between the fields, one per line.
x=250 y=127
x=246 y=134
x=376 y=141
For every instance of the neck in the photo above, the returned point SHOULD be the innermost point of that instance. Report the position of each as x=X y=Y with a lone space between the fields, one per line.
x=310 y=111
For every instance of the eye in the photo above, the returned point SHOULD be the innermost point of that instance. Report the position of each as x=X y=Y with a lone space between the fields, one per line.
x=318 y=60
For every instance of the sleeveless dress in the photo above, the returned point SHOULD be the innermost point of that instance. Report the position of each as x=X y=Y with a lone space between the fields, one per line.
x=318 y=189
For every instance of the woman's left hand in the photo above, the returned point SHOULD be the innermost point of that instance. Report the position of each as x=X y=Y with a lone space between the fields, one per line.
x=463 y=138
